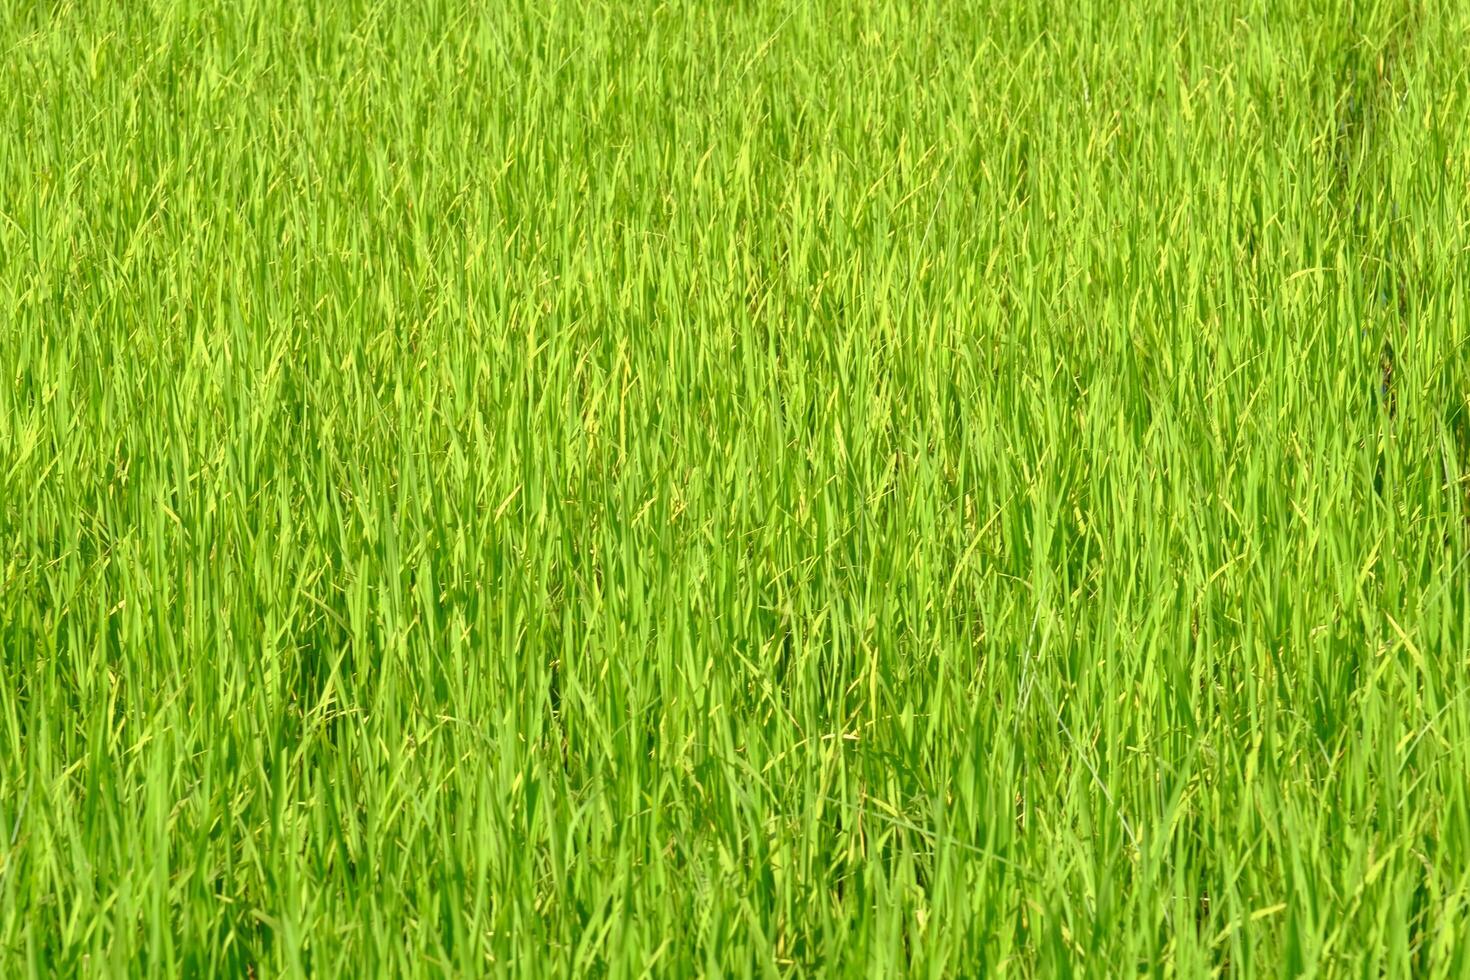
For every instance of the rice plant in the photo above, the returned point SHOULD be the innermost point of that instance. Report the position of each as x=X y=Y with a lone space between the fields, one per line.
x=737 y=489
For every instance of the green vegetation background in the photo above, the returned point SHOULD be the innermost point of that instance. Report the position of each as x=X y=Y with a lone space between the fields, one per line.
x=750 y=488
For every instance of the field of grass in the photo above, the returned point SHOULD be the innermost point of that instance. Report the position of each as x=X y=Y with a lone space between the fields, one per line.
x=747 y=489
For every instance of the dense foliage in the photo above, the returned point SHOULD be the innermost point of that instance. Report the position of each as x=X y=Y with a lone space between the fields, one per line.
x=748 y=489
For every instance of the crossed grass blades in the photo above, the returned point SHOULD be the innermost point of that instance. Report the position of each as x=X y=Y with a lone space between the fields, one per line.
x=748 y=489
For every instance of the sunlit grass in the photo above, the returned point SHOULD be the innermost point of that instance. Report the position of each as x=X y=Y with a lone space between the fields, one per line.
x=746 y=489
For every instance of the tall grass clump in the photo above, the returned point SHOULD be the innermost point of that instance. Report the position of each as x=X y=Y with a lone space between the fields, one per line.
x=738 y=489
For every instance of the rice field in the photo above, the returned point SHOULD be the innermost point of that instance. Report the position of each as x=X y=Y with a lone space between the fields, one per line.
x=751 y=489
